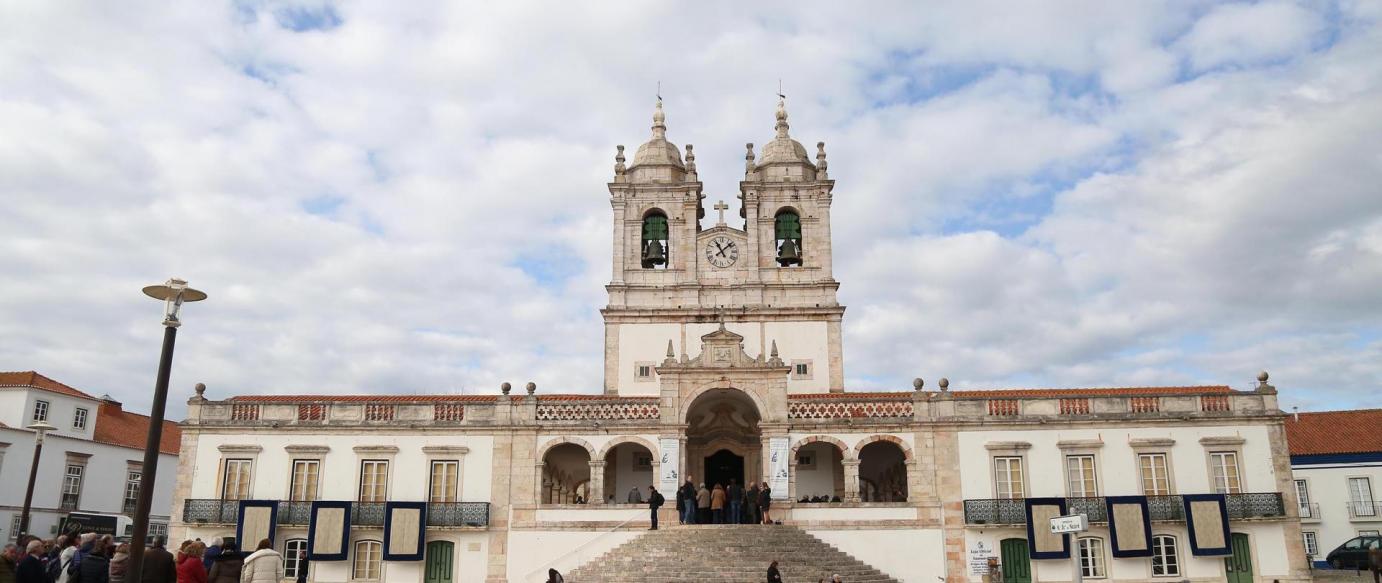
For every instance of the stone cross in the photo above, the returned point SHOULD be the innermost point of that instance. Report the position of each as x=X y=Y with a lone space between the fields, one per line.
x=722 y=207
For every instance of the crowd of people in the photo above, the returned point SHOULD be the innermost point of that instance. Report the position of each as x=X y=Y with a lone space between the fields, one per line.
x=724 y=504
x=92 y=558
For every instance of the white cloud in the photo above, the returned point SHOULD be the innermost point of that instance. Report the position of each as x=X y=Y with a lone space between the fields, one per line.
x=1250 y=33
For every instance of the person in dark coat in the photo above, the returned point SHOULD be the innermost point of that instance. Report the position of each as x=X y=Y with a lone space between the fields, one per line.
x=302 y=567
x=773 y=575
x=30 y=569
x=9 y=563
x=95 y=567
x=212 y=552
x=554 y=577
x=655 y=500
x=681 y=509
x=158 y=564
x=688 y=493
x=227 y=566
x=765 y=502
x=751 y=498
x=735 y=492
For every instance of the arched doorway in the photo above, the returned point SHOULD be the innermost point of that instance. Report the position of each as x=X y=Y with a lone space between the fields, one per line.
x=565 y=474
x=723 y=439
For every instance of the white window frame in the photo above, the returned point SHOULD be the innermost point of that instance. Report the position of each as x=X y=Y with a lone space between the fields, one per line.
x=158 y=529
x=1092 y=564
x=1087 y=484
x=242 y=488
x=1160 y=484
x=1361 y=501
x=377 y=564
x=41 y=409
x=642 y=365
x=1303 y=498
x=378 y=493
x=291 y=562
x=455 y=471
x=79 y=417
x=1016 y=489
x=1311 y=542
x=132 y=481
x=308 y=489
x=72 y=486
x=1219 y=470
x=1170 y=562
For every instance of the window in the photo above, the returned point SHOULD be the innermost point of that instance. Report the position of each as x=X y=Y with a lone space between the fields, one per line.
x=79 y=419
x=374 y=480
x=367 y=556
x=292 y=556
x=14 y=524
x=236 y=484
x=1079 y=471
x=1007 y=476
x=1360 y=497
x=1224 y=465
x=643 y=371
x=653 y=245
x=1165 y=560
x=1156 y=481
x=131 y=491
x=72 y=486
x=40 y=411
x=1312 y=545
x=1368 y=533
x=801 y=370
x=445 y=481
x=787 y=231
x=304 y=487
x=1303 y=498
x=1092 y=558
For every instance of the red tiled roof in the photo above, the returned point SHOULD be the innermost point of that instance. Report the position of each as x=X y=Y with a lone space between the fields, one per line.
x=1331 y=432
x=119 y=427
x=34 y=380
x=364 y=398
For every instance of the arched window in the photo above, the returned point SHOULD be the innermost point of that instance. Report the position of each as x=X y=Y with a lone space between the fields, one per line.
x=293 y=549
x=1092 y=558
x=368 y=558
x=653 y=248
x=787 y=231
x=1165 y=558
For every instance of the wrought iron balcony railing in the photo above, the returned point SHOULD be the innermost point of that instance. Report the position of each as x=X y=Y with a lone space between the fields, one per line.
x=293 y=513
x=1364 y=510
x=1160 y=508
x=1310 y=511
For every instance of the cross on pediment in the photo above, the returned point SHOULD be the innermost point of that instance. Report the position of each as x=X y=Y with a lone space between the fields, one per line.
x=722 y=207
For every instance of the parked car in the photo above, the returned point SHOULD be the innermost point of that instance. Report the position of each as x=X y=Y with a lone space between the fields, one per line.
x=1353 y=554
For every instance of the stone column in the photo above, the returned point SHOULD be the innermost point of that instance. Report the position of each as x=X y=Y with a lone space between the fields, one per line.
x=542 y=485
x=597 y=482
x=851 y=480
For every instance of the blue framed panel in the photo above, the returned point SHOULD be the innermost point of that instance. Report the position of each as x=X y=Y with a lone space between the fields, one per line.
x=405 y=530
x=1208 y=526
x=262 y=523
x=1041 y=541
x=1133 y=528
x=328 y=531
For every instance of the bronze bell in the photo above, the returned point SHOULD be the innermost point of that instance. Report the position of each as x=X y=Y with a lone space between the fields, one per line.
x=653 y=254
x=789 y=253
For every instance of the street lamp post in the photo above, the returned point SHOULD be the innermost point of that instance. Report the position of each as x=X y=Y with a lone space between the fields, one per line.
x=173 y=293
x=40 y=429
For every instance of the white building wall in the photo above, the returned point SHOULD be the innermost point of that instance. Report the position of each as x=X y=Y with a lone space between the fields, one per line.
x=1328 y=486
x=911 y=556
x=17 y=410
x=795 y=341
x=820 y=480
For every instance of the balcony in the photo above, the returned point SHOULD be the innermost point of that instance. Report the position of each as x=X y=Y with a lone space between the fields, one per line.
x=1310 y=512
x=365 y=514
x=1364 y=511
x=1160 y=508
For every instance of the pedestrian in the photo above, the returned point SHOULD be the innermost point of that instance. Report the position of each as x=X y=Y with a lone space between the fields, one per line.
x=30 y=568
x=1375 y=561
x=119 y=563
x=95 y=567
x=735 y=492
x=158 y=564
x=752 y=498
x=681 y=508
x=773 y=575
x=228 y=565
x=554 y=577
x=212 y=551
x=9 y=563
x=717 y=505
x=688 y=494
x=836 y=578
x=303 y=565
x=765 y=501
x=65 y=554
x=191 y=569
x=703 y=505
x=655 y=501
x=635 y=495
x=265 y=565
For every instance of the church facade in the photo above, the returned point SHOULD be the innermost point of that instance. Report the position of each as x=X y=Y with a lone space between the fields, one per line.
x=723 y=361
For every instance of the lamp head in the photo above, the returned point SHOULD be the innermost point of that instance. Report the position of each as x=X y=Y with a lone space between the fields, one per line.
x=41 y=427
x=173 y=293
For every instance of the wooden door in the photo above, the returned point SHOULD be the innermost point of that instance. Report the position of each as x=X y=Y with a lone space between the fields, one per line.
x=1017 y=567
x=1238 y=566
x=439 y=560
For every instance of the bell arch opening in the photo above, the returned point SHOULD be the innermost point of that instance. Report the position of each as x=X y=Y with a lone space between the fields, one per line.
x=723 y=440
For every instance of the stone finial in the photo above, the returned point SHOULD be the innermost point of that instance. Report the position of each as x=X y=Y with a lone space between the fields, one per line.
x=821 y=164
x=670 y=353
x=505 y=388
x=532 y=387
x=918 y=384
x=619 y=167
x=945 y=384
x=200 y=389
x=782 y=126
x=690 y=160
x=659 y=122
x=774 y=350
x=1262 y=377
x=748 y=159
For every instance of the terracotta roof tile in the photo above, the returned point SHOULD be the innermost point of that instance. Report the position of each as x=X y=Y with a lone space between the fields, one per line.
x=1334 y=432
x=396 y=399
x=32 y=379
x=1095 y=392
x=119 y=427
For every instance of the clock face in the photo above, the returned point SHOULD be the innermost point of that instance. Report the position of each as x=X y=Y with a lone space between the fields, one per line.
x=721 y=251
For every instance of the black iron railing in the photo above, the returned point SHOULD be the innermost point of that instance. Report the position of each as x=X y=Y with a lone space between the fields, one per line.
x=1364 y=510
x=458 y=514
x=1160 y=508
x=210 y=511
x=367 y=514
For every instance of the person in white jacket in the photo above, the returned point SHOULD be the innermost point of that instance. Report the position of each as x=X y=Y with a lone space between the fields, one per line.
x=265 y=565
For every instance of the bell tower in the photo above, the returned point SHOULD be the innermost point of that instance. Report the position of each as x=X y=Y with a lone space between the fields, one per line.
x=770 y=281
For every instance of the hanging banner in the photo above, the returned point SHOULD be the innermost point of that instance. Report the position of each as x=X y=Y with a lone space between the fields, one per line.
x=669 y=477
x=779 y=458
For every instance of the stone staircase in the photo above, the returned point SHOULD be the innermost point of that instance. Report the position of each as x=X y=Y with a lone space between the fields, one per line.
x=728 y=553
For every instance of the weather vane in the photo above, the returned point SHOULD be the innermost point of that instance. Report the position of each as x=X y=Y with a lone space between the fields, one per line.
x=779 y=90
x=659 y=90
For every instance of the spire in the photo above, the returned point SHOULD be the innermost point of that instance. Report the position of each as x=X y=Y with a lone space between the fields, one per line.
x=781 y=126
x=670 y=354
x=659 y=122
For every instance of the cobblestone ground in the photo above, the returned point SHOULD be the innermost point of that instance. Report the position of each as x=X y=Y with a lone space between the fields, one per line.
x=1342 y=576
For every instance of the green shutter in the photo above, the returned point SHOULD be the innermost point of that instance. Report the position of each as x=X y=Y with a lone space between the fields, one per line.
x=788 y=226
x=655 y=228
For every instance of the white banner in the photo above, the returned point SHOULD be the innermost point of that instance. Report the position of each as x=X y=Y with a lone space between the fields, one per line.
x=670 y=472
x=778 y=465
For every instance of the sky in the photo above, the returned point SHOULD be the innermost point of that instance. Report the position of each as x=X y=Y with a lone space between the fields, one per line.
x=385 y=197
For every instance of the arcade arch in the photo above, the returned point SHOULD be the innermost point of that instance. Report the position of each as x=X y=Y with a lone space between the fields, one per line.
x=723 y=440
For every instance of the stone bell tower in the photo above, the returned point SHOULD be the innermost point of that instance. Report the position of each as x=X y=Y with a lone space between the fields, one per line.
x=768 y=279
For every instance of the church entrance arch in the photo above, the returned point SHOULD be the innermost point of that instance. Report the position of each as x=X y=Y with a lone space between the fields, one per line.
x=723 y=441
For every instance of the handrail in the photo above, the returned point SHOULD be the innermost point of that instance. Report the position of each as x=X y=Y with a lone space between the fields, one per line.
x=542 y=570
